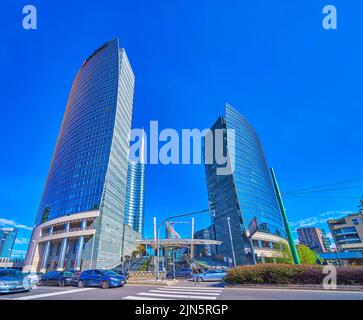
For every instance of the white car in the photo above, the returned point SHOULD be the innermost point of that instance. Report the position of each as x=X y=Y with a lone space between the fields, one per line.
x=34 y=277
x=210 y=275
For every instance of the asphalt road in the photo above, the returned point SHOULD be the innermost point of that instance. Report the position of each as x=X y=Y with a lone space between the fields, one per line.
x=183 y=290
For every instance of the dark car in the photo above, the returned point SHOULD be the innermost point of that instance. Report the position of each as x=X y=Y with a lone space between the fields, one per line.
x=101 y=278
x=58 y=278
x=122 y=273
x=13 y=281
x=181 y=273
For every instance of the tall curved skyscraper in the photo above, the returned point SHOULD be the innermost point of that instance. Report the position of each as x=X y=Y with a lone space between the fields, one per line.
x=80 y=221
x=246 y=196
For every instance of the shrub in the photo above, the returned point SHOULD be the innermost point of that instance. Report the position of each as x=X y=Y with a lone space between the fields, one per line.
x=291 y=274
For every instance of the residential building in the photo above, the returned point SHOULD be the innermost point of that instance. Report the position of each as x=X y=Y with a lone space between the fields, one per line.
x=80 y=220
x=347 y=232
x=314 y=238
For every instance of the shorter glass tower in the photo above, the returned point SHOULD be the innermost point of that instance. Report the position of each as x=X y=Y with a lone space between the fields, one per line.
x=7 y=240
x=246 y=215
x=134 y=210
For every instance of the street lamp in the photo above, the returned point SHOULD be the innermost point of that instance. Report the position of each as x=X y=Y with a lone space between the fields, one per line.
x=158 y=236
x=230 y=236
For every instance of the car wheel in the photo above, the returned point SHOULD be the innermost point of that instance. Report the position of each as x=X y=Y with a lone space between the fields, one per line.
x=80 y=284
x=61 y=283
x=200 y=279
x=105 y=284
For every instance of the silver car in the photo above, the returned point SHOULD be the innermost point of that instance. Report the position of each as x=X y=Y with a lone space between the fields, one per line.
x=13 y=281
x=210 y=275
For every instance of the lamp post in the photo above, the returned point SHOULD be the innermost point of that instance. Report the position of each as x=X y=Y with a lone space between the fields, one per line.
x=158 y=235
x=230 y=237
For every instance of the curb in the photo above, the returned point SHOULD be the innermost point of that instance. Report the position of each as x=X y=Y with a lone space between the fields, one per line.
x=153 y=283
x=292 y=287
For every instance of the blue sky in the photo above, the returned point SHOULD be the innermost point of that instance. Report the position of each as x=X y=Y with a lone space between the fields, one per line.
x=298 y=84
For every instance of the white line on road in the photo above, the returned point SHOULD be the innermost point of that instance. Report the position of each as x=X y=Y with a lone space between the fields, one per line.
x=142 y=298
x=185 y=292
x=192 y=289
x=176 y=296
x=44 y=295
x=198 y=288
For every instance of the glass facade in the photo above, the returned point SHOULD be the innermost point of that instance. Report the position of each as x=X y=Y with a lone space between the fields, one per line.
x=77 y=173
x=7 y=240
x=89 y=168
x=134 y=211
x=246 y=196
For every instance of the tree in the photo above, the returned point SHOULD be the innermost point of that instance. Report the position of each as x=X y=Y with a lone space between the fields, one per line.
x=284 y=253
x=141 y=248
x=306 y=255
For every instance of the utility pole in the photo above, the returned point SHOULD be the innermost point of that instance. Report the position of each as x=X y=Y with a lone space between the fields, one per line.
x=230 y=237
x=293 y=250
x=191 y=245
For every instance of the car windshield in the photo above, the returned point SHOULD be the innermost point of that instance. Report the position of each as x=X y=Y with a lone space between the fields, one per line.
x=108 y=273
x=10 y=273
x=68 y=274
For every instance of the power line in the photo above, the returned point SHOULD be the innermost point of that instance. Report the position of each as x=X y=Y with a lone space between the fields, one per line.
x=312 y=189
x=323 y=190
x=319 y=197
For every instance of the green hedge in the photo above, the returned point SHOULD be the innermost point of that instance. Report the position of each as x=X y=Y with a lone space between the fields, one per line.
x=291 y=274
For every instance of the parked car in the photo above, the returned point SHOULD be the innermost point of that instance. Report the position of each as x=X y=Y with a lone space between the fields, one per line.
x=101 y=278
x=60 y=278
x=13 y=281
x=210 y=275
x=181 y=273
x=34 y=277
x=122 y=273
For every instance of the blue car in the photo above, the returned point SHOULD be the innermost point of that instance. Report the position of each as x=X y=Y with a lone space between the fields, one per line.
x=58 y=278
x=101 y=278
x=13 y=281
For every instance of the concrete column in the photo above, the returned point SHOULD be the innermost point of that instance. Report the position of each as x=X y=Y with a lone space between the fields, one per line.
x=45 y=257
x=63 y=250
x=46 y=253
x=80 y=246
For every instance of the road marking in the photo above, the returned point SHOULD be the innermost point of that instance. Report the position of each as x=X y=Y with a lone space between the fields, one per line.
x=142 y=298
x=44 y=295
x=176 y=296
x=197 y=288
x=185 y=292
x=192 y=289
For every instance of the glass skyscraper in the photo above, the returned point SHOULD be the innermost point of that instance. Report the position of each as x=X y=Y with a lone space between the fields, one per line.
x=7 y=240
x=134 y=212
x=80 y=220
x=246 y=196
